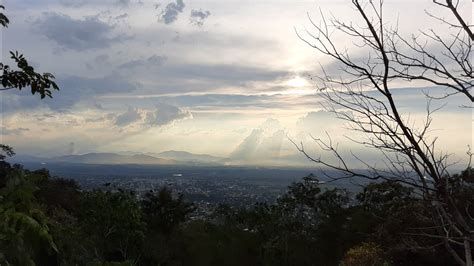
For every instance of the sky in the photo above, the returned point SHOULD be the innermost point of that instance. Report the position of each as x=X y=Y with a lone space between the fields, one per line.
x=225 y=78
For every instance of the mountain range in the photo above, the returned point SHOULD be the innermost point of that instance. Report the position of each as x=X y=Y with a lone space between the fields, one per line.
x=163 y=158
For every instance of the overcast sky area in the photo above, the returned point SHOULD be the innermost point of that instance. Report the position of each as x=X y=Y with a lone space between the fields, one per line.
x=225 y=78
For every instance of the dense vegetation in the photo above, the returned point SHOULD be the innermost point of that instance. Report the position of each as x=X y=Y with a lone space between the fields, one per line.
x=50 y=221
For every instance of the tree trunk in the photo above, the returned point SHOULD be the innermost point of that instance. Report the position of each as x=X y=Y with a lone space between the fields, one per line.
x=468 y=251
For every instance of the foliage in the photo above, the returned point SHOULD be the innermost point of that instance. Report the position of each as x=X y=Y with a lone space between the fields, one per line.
x=51 y=221
x=25 y=76
x=366 y=254
x=6 y=151
x=163 y=212
x=25 y=237
x=3 y=19
x=24 y=231
x=111 y=225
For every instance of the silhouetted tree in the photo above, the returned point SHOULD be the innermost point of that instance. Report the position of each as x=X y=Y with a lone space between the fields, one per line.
x=363 y=97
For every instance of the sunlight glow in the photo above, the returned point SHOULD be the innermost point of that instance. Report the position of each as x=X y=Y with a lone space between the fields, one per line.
x=297 y=82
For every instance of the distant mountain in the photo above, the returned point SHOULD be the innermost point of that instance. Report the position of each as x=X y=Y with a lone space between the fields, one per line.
x=97 y=158
x=167 y=157
x=112 y=158
x=27 y=158
x=162 y=158
x=184 y=156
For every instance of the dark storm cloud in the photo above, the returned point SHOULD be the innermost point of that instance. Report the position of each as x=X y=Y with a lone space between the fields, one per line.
x=77 y=34
x=199 y=16
x=171 y=12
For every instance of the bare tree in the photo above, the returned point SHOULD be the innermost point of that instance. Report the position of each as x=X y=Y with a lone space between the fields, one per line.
x=363 y=96
x=451 y=67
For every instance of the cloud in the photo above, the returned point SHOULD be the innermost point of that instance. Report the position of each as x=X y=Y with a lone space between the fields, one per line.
x=318 y=118
x=171 y=12
x=102 y=59
x=247 y=148
x=262 y=144
x=73 y=89
x=12 y=131
x=123 y=2
x=72 y=3
x=166 y=114
x=319 y=123
x=80 y=3
x=184 y=77
x=271 y=124
x=152 y=61
x=77 y=34
x=121 y=17
x=129 y=117
x=235 y=103
x=163 y=114
x=199 y=16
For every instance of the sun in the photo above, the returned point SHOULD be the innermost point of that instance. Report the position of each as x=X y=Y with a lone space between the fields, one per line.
x=297 y=82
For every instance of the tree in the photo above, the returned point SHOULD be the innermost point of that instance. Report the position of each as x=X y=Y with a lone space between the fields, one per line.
x=306 y=226
x=110 y=225
x=389 y=214
x=25 y=237
x=5 y=168
x=25 y=76
x=367 y=254
x=163 y=212
x=364 y=98
x=24 y=233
